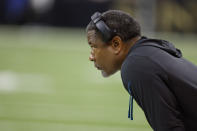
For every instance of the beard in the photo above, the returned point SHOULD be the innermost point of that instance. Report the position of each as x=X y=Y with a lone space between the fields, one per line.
x=104 y=74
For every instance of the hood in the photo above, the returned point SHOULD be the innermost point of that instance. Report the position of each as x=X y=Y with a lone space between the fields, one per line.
x=161 y=44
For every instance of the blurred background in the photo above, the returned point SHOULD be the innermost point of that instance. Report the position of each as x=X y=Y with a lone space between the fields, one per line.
x=46 y=80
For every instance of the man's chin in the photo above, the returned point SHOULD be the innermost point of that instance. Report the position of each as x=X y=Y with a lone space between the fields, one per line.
x=105 y=74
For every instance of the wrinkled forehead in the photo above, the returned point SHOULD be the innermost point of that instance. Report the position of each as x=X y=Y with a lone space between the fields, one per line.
x=91 y=36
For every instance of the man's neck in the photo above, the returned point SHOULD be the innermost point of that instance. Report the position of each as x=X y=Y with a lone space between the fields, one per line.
x=127 y=46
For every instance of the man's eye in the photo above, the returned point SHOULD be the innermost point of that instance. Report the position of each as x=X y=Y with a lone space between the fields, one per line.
x=93 y=47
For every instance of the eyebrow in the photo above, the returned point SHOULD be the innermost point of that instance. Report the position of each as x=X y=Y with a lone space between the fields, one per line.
x=90 y=43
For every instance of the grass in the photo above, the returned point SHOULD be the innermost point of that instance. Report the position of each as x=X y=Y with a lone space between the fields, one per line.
x=47 y=83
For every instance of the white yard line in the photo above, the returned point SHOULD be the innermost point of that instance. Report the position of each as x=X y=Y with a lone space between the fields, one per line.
x=24 y=82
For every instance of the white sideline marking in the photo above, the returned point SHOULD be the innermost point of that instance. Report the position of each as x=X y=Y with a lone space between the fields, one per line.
x=23 y=82
x=8 y=81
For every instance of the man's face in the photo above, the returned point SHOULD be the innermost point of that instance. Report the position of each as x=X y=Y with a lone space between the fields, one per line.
x=102 y=54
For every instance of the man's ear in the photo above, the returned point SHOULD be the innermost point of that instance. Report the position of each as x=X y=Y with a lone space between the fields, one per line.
x=116 y=44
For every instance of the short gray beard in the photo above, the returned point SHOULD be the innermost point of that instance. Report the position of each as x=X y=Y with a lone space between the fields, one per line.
x=104 y=74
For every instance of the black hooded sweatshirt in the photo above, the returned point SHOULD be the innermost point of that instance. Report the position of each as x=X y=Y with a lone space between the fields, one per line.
x=163 y=84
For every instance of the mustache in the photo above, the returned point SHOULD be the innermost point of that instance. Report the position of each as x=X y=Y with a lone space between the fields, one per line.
x=98 y=67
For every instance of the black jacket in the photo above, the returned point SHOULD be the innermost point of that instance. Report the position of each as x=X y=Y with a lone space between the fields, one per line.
x=163 y=83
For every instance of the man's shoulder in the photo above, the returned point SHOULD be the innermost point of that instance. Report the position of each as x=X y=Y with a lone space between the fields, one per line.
x=137 y=65
x=135 y=62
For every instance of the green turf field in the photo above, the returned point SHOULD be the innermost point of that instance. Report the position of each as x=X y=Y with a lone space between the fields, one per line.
x=48 y=84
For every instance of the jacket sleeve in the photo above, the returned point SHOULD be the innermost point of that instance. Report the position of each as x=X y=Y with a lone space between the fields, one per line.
x=154 y=96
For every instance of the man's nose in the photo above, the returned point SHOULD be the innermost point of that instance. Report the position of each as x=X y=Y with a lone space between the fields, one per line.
x=91 y=57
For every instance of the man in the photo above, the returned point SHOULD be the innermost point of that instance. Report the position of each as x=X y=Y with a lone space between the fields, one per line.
x=155 y=74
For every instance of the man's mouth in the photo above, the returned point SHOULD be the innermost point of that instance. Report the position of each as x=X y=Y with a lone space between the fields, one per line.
x=98 y=67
